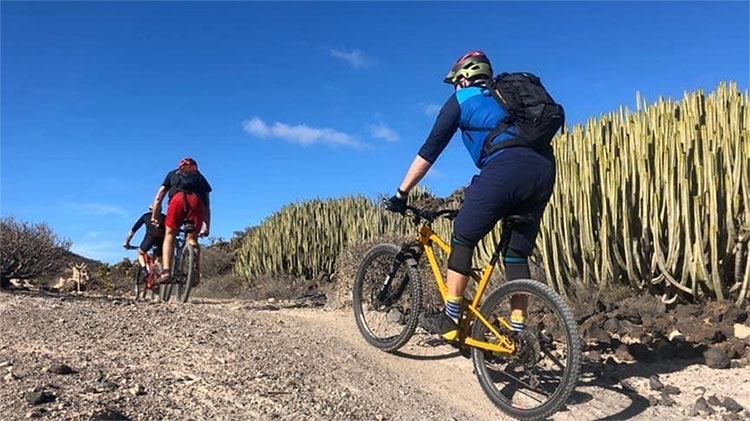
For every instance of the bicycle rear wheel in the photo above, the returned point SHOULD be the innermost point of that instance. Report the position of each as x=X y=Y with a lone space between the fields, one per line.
x=184 y=274
x=537 y=379
x=387 y=297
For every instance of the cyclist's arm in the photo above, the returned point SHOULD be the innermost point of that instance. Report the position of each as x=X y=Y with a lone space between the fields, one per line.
x=417 y=170
x=133 y=230
x=208 y=210
x=443 y=130
x=207 y=189
x=157 y=203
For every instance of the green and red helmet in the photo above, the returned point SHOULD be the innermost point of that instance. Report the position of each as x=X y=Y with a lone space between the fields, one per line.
x=187 y=165
x=473 y=65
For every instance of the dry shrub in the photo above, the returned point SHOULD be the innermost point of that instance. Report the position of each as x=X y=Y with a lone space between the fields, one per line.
x=349 y=259
x=29 y=250
x=216 y=261
x=222 y=286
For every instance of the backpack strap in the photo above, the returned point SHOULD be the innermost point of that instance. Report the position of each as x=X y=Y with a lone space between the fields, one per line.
x=488 y=148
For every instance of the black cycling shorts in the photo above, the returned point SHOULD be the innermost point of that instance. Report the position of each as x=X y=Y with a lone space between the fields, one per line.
x=517 y=182
x=149 y=242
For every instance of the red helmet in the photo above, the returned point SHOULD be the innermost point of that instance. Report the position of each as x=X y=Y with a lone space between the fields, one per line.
x=472 y=65
x=187 y=164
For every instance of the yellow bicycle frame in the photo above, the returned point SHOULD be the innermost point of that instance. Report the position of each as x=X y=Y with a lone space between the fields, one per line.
x=427 y=238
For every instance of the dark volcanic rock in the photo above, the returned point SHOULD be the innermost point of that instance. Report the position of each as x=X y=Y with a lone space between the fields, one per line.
x=716 y=358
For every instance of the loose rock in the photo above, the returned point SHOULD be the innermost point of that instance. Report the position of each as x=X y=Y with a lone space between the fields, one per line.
x=655 y=384
x=731 y=405
x=59 y=368
x=716 y=358
x=40 y=397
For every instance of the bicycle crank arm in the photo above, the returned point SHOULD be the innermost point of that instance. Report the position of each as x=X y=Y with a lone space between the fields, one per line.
x=499 y=348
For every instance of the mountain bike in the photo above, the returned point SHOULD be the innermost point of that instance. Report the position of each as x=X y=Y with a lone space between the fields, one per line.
x=144 y=284
x=184 y=268
x=529 y=374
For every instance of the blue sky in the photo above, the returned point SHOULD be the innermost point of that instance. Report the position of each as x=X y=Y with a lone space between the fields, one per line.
x=281 y=102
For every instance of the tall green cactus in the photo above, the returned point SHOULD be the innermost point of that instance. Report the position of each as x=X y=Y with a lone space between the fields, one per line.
x=656 y=198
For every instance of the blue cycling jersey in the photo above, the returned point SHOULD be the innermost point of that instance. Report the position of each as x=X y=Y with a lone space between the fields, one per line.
x=476 y=112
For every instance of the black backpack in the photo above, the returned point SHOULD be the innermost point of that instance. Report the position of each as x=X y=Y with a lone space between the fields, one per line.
x=536 y=116
x=187 y=181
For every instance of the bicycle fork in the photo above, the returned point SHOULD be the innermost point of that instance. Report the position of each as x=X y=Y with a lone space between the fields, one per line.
x=401 y=258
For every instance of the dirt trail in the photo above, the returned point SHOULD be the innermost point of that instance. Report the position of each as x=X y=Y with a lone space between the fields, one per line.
x=242 y=360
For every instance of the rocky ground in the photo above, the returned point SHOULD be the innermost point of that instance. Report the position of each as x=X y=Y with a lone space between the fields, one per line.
x=68 y=357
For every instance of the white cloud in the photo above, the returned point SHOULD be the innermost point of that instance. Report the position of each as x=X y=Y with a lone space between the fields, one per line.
x=355 y=58
x=381 y=131
x=435 y=174
x=99 y=209
x=430 y=109
x=302 y=134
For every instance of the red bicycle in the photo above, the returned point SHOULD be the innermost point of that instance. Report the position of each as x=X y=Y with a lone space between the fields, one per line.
x=144 y=284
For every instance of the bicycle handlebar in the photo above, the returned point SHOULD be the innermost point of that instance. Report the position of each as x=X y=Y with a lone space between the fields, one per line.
x=431 y=216
x=130 y=247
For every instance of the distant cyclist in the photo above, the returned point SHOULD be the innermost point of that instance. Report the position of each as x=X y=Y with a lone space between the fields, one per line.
x=154 y=236
x=188 y=193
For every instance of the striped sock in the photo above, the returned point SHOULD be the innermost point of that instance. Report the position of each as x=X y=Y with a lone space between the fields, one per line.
x=517 y=322
x=453 y=307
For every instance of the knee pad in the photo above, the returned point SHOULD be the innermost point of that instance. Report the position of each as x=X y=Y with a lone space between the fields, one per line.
x=515 y=256
x=517 y=248
x=461 y=253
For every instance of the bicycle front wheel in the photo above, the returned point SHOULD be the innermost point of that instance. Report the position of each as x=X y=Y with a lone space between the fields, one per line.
x=387 y=297
x=185 y=274
x=536 y=380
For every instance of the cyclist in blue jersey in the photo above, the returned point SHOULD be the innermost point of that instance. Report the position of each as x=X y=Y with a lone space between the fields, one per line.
x=513 y=180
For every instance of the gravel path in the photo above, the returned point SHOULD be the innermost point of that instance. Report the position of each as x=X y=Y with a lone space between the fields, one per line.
x=82 y=358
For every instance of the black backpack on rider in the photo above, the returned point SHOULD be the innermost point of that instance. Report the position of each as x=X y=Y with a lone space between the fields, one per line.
x=531 y=109
x=187 y=181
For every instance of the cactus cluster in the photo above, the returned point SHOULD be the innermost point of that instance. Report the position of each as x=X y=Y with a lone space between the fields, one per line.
x=303 y=239
x=658 y=198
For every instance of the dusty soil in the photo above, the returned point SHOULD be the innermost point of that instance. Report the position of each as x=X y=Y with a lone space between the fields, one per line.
x=68 y=357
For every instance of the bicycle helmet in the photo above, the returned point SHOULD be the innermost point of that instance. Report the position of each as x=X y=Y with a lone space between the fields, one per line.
x=187 y=164
x=472 y=65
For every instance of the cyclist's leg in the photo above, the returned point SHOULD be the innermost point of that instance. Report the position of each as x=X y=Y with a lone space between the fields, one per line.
x=146 y=244
x=486 y=200
x=172 y=221
x=158 y=246
x=196 y=214
x=519 y=241
x=141 y=257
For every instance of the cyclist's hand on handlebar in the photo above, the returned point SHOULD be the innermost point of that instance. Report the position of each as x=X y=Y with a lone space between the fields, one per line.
x=397 y=202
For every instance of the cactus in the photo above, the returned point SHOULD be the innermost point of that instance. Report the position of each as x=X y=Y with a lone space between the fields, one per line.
x=657 y=199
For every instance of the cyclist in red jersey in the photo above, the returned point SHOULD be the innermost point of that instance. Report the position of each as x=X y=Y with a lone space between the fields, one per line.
x=188 y=192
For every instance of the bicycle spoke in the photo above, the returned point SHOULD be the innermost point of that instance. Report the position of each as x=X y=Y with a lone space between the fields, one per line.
x=546 y=352
x=386 y=299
